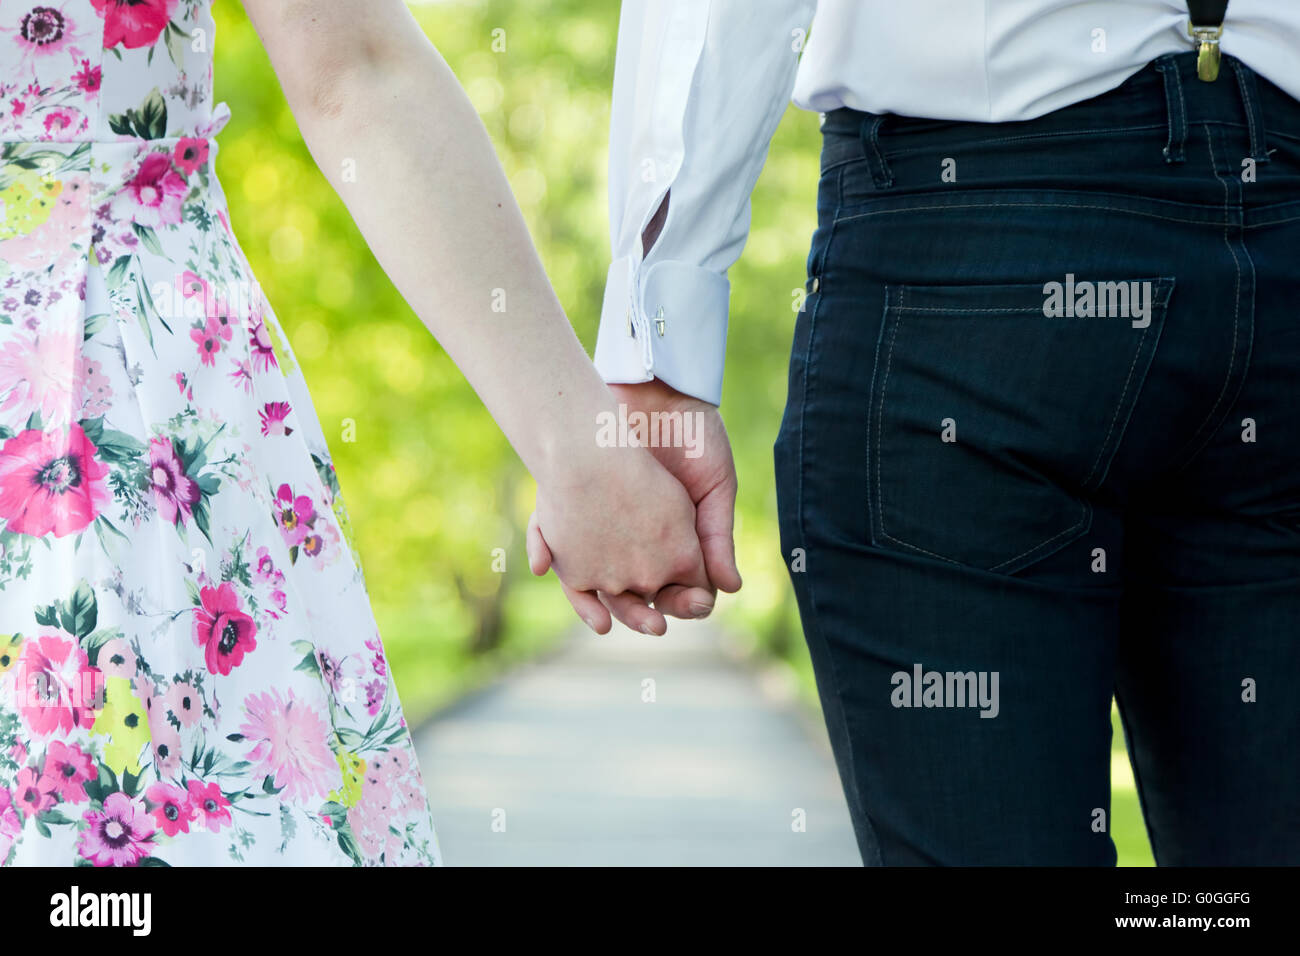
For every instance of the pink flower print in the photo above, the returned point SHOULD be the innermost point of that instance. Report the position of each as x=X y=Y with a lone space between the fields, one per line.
x=120 y=835
x=195 y=289
x=208 y=340
x=185 y=703
x=370 y=827
x=375 y=691
x=175 y=492
x=331 y=670
x=153 y=196
x=190 y=154
x=55 y=245
x=68 y=769
x=133 y=23
x=278 y=604
x=172 y=810
x=260 y=343
x=266 y=568
x=116 y=659
x=290 y=745
x=33 y=792
x=394 y=772
x=50 y=482
x=10 y=825
x=219 y=312
x=57 y=689
x=144 y=689
x=98 y=390
x=273 y=415
x=222 y=629
x=88 y=78
x=43 y=373
x=268 y=581
x=209 y=805
x=44 y=29
x=312 y=544
x=294 y=515
x=62 y=125
x=380 y=664
x=166 y=743
x=243 y=375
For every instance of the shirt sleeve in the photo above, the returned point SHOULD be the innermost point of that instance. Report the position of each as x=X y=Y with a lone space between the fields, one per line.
x=699 y=88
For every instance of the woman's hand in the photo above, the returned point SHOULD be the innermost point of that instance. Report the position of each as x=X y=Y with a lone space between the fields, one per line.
x=618 y=528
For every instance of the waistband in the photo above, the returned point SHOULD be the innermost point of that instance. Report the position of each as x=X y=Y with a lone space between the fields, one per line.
x=1164 y=93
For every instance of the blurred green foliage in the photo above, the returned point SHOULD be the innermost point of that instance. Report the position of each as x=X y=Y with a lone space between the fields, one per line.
x=432 y=486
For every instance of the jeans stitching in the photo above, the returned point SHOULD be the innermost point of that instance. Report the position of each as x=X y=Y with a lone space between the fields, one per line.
x=880 y=172
x=1236 y=319
x=1258 y=148
x=1173 y=151
x=1137 y=353
x=1085 y=515
x=852 y=783
x=880 y=414
x=878 y=519
x=1027 y=137
x=1026 y=205
x=945 y=310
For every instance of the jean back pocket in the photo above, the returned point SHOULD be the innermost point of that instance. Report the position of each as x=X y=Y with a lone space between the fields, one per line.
x=995 y=409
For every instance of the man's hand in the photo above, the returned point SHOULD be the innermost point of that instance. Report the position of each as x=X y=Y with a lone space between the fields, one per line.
x=618 y=529
x=704 y=473
x=708 y=473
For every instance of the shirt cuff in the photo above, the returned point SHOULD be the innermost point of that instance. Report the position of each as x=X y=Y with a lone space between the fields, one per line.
x=683 y=310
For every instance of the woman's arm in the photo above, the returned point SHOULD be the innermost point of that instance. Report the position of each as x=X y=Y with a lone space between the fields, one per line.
x=373 y=97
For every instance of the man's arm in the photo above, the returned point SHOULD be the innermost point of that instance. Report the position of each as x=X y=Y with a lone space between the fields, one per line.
x=699 y=88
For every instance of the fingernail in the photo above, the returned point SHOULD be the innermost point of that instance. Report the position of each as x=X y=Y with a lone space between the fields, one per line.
x=700 y=609
x=647 y=629
x=590 y=623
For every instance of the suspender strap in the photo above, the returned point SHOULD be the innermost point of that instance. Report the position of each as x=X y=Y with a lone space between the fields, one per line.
x=1207 y=13
x=1206 y=27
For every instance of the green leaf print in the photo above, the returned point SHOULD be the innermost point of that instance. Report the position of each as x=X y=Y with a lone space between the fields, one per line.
x=78 y=615
x=117 y=272
x=148 y=238
x=149 y=122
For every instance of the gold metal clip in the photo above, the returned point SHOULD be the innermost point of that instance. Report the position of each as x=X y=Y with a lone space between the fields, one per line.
x=659 y=322
x=1207 y=56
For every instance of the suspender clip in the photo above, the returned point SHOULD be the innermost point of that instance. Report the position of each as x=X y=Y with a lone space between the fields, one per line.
x=1207 y=57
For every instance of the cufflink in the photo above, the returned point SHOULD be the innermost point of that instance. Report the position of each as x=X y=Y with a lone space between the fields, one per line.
x=659 y=321
x=630 y=331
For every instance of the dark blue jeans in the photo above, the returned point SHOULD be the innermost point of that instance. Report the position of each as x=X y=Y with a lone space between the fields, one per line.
x=1042 y=447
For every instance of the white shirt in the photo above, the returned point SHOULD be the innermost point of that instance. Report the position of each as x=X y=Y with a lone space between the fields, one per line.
x=700 y=86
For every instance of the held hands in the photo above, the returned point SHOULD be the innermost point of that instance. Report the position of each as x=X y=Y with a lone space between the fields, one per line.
x=642 y=532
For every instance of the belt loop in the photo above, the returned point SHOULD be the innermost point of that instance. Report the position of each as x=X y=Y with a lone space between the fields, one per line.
x=1254 y=114
x=880 y=172
x=1175 y=107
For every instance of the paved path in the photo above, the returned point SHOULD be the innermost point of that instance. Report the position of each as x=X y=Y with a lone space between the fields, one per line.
x=583 y=770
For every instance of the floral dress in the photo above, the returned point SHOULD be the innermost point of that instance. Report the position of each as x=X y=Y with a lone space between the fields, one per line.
x=190 y=671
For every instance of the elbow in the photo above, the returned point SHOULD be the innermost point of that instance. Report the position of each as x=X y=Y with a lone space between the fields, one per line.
x=326 y=75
